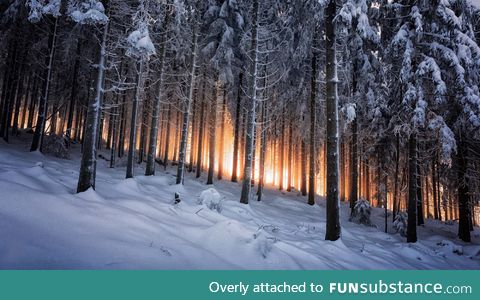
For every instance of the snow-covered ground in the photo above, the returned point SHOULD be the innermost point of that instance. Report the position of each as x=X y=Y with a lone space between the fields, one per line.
x=134 y=224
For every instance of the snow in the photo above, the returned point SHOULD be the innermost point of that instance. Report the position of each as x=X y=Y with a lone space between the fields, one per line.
x=88 y=12
x=39 y=8
x=140 y=44
x=134 y=224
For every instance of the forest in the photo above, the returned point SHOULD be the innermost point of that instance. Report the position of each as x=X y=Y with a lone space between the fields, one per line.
x=373 y=104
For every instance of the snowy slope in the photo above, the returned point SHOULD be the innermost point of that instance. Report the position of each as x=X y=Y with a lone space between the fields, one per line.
x=134 y=224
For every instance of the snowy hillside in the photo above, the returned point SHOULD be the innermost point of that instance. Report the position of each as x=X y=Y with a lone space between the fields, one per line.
x=134 y=224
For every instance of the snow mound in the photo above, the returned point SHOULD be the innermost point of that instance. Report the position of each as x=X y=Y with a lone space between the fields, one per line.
x=450 y=247
x=211 y=198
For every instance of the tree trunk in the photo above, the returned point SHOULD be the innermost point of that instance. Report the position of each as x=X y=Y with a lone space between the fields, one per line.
x=212 y=134
x=133 y=120
x=263 y=149
x=88 y=164
x=290 y=156
x=282 y=150
x=434 y=191
x=40 y=127
x=221 y=155
x=18 y=99
x=249 y=139
x=73 y=94
x=412 y=190
x=152 y=149
x=420 y=220
x=303 y=167
x=200 y=130
x=167 y=137
x=463 y=192
x=33 y=102
x=396 y=200
x=186 y=112
x=236 y=135
x=313 y=100
x=123 y=125
x=333 y=229
x=354 y=167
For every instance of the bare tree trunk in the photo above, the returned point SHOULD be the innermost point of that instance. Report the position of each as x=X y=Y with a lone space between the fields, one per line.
x=396 y=200
x=28 y=96
x=212 y=134
x=123 y=122
x=193 y=130
x=167 y=137
x=303 y=167
x=88 y=165
x=412 y=190
x=263 y=149
x=463 y=192
x=333 y=229
x=290 y=156
x=133 y=120
x=200 y=130
x=114 y=124
x=354 y=166
x=221 y=155
x=434 y=191
x=19 y=96
x=420 y=220
x=33 y=101
x=313 y=121
x=152 y=149
x=73 y=94
x=186 y=112
x=249 y=140
x=40 y=127
x=282 y=149
x=236 y=136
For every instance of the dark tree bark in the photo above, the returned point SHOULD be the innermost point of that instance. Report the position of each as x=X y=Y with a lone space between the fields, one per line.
x=434 y=191
x=152 y=147
x=354 y=166
x=88 y=164
x=167 y=137
x=263 y=149
x=463 y=192
x=42 y=111
x=303 y=167
x=313 y=120
x=420 y=219
x=333 y=229
x=412 y=190
x=236 y=135
x=221 y=155
x=396 y=200
x=200 y=131
x=290 y=156
x=133 y=120
x=73 y=94
x=182 y=154
x=249 y=139
x=212 y=134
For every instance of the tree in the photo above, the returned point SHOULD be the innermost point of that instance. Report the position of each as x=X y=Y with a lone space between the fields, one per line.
x=252 y=103
x=333 y=215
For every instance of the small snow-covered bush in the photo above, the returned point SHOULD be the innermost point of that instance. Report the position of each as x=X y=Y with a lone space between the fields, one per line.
x=361 y=213
x=211 y=198
x=55 y=145
x=400 y=223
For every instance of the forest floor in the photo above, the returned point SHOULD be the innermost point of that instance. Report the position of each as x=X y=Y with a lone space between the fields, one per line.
x=134 y=224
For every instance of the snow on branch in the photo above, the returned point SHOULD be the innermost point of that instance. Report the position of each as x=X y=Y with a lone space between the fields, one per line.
x=39 y=8
x=87 y=12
